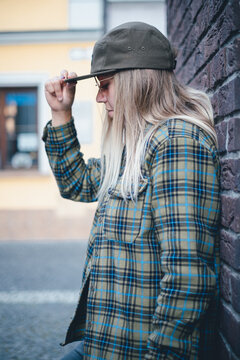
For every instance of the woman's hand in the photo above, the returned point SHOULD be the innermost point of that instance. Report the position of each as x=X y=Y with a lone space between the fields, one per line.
x=60 y=97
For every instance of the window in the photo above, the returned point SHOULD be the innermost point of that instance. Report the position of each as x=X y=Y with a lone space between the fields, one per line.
x=18 y=124
x=85 y=14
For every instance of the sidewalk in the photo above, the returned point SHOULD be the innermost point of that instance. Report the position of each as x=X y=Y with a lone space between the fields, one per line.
x=31 y=208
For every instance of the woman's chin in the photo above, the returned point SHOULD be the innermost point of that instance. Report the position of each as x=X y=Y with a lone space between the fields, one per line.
x=110 y=113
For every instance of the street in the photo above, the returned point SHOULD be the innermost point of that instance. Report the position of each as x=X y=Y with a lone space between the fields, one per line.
x=40 y=283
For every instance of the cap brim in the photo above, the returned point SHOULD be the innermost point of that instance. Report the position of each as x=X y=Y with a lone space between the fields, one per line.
x=83 y=77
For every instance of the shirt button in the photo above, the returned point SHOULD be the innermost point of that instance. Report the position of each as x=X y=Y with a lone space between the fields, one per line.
x=100 y=219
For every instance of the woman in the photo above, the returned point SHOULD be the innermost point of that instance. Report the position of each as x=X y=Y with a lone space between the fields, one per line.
x=149 y=288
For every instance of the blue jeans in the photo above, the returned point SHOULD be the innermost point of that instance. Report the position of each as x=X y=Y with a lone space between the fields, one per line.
x=75 y=354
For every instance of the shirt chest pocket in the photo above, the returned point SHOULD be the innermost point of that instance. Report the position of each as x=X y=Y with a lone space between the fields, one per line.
x=123 y=218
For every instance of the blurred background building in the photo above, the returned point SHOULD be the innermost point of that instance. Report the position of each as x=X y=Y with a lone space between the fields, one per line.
x=37 y=40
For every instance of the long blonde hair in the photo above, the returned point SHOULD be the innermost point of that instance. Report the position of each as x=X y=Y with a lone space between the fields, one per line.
x=145 y=97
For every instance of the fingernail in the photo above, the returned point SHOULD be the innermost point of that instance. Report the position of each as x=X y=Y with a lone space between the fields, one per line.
x=60 y=99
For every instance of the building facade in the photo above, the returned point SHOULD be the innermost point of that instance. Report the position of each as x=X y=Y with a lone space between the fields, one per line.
x=207 y=34
x=40 y=39
x=47 y=37
x=37 y=40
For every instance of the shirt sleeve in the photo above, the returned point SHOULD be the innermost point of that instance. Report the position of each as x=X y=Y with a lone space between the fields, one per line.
x=185 y=210
x=77 y=180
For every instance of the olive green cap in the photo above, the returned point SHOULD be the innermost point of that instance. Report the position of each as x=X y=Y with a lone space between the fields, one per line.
x=133 y=45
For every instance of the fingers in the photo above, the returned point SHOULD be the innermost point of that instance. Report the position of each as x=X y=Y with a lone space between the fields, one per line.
x=64 y=74
x=60 y=94
x=72 y=75
x=54 y=87
x=57 y=84
x=49 y=88
x=73 y=83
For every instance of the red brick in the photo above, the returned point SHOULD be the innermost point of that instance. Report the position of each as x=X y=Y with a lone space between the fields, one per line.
x=230 y=174
x=235 y=295
x=231 y=212
x=226 y=25
x=195 y=7
x=209 y=55
x=215 y=8
x=230 y=327
x=217 y=66
x=191 y=41
x=181 y=21
x=225 y=283
x=221 y=130
x=200 y=81
x=212 y=41
x=227 y=100
x=231 y=20
x=233 y=56
x=230 y=248
x=224 y=63
x=234 y=134
x=186 y=72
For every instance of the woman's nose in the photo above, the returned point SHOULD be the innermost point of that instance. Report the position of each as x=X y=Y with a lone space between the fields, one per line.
x=100 y=96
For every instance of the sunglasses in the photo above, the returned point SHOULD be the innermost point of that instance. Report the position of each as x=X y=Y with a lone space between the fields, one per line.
x=98 y=82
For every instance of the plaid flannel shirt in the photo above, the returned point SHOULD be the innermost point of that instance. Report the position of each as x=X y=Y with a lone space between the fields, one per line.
x=150 y=283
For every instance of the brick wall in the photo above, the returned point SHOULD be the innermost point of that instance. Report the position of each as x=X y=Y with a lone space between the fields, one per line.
x=207 y=35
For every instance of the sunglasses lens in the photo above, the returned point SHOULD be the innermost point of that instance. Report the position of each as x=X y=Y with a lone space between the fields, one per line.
x=98 y=82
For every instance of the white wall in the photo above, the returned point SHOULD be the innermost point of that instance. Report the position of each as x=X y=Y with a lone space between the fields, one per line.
x=152 y=12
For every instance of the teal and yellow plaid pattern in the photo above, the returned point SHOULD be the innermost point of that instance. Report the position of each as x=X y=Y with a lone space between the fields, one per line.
x=150 y=283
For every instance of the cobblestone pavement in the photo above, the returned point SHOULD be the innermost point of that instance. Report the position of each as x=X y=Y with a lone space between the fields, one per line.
x=39 y=290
